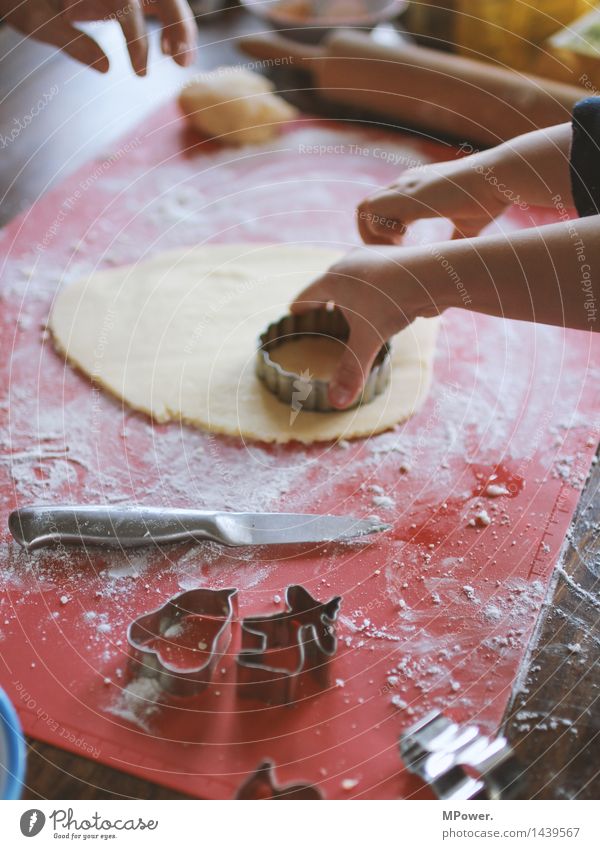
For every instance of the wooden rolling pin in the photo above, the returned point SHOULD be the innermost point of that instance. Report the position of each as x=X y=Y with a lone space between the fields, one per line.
x=446 y=94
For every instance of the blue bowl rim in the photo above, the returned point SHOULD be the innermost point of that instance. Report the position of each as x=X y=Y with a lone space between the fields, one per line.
x=11 y=728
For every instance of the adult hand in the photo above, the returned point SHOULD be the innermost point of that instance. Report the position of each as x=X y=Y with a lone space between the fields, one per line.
x=52 y=21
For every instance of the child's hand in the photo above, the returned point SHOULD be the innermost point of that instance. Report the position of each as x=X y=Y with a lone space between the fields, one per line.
x=465 y=190
x=529 y=276
x=378 y=295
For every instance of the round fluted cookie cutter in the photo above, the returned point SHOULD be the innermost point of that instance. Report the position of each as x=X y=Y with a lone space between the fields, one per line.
x=307 y=392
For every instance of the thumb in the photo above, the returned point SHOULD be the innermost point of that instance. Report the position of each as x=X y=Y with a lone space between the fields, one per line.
x=317 y=294
x=353 y=369
x=468 y=229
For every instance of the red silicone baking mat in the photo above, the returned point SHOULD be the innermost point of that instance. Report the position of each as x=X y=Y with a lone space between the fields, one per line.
x=437 y=613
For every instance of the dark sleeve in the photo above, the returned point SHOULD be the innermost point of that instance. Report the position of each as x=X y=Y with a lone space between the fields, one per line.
x=585 y=156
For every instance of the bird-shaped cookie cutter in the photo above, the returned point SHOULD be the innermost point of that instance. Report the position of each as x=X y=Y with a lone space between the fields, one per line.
x=261 y=785
x=277 y=650
x=302 y=391
x=154 y=636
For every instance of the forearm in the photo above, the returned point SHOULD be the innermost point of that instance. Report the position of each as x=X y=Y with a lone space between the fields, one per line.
x=534 y=166
x=548 y=274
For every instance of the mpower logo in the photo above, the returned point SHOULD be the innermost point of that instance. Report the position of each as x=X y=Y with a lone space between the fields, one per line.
x=32 y=822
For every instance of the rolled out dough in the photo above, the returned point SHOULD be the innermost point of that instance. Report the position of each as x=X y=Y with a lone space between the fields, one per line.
x=176 y=337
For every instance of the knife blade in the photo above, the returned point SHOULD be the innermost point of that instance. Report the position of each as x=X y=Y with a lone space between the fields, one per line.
x=117 y=526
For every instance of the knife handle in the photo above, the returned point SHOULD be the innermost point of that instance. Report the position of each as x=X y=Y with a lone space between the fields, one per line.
x=111 y=527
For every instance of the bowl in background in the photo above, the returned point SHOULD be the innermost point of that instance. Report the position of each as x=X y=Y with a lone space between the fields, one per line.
x=311 y=20
x=12 y=751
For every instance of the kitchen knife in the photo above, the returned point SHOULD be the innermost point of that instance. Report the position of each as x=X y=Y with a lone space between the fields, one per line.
x=134 y=527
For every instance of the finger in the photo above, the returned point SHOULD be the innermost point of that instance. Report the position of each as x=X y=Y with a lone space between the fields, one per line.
x=91 y=10
x=178 y=38
x=134 y=29
x=362 y=222
x=75 y=43
x=396 y=203
x=318 y=294
x=467 y=229
x=377 y=228
x=373 y=239
x=380 y=239
x=387 y=231
x=354 y=367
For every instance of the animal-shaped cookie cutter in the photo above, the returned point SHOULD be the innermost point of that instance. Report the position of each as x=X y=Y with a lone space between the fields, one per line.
x=458 y=761
x=278 y=650
x=261 y=785
x=302 y=391
x=157 y=638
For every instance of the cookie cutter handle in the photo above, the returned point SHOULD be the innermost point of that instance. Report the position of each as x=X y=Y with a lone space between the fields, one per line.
x=110 y=526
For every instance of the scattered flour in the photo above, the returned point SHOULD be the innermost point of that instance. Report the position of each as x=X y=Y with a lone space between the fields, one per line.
x=495 y=490
x=138 y=702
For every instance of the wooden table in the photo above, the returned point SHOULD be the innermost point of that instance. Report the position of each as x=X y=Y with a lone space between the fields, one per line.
x=554 y=720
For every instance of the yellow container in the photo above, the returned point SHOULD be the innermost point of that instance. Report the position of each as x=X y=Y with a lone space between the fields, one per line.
x=510 y=32
x=574 y=53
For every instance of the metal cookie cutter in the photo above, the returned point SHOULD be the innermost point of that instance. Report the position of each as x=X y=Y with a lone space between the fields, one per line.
x=156 y=638
x=301 y=390
x=261 y=785
x=459 y=762
x=277 y=650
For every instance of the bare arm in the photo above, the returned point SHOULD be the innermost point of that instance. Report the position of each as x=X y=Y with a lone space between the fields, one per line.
x=547 y=274
x=53 y=21
x=543 y=274
x=536 y=165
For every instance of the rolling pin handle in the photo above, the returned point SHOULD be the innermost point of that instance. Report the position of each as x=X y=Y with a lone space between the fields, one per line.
x=266 y=46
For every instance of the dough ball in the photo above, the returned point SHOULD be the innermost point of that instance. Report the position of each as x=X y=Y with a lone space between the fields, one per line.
x=234 y=105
